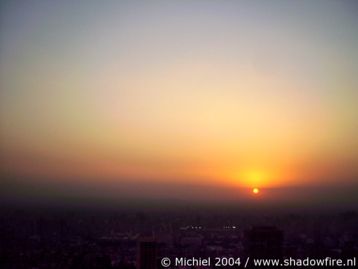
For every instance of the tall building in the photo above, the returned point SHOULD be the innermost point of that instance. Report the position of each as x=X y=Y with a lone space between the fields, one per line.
x=264 y=241
x=147 y=254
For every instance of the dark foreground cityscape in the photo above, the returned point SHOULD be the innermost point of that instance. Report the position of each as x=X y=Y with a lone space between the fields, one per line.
x=124 y=239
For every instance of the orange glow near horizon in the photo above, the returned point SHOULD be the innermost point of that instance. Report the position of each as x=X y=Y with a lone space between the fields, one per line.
x=253 y=177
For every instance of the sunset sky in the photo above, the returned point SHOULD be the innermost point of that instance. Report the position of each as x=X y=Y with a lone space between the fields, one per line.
x=227 y=94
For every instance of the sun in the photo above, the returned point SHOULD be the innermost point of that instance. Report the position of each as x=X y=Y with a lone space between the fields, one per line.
x=255 y=190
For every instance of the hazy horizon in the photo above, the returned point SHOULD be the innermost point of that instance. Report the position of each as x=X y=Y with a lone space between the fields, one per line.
x=150 y=195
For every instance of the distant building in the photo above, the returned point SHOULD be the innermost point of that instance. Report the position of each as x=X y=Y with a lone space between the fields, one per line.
x=147 y=254
x=263 y=241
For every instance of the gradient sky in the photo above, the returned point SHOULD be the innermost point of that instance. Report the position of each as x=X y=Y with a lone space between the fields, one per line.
x=220 y=93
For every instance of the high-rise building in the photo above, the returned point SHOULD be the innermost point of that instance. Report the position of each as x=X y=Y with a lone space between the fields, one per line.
x=264 y=241
x=147 y=254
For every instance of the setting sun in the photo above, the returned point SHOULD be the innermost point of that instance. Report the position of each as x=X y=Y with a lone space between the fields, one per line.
x=255 y=190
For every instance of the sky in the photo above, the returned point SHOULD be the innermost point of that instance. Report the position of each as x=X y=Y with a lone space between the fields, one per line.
x=178 y=96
